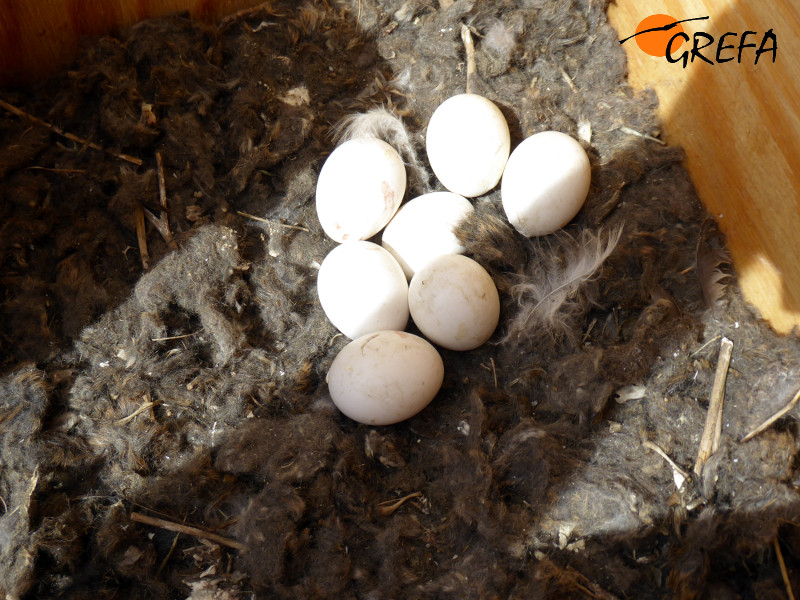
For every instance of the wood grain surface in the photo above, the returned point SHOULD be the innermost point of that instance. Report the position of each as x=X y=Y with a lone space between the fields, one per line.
x=39 y=36
x=740 y=126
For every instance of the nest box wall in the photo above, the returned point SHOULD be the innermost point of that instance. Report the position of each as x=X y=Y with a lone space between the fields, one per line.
x=738 y=121
x=39 y=36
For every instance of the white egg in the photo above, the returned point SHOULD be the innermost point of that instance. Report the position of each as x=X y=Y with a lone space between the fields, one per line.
x=385 y=377
x=360 y=187
x=468 y=143
x=362 y=289
x=423 y=229
x=454 y=302
x=545 y=183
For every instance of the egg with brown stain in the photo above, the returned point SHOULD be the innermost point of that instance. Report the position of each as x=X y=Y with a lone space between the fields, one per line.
x=359 y=189
x=454 y=302
x=385 y=377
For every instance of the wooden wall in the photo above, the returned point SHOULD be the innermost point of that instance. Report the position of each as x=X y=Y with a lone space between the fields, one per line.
x=740 y=126
x=38 y=36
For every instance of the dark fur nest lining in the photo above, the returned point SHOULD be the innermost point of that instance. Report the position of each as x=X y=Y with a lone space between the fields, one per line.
x=195 y=393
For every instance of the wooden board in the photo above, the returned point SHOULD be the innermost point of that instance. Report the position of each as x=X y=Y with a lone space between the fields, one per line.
x=740 y=126
x=39 y=36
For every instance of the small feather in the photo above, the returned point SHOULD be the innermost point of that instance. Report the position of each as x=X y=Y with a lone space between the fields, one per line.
x=713 y=281
x=383 y=124
x=549 y=294
x=500 y=40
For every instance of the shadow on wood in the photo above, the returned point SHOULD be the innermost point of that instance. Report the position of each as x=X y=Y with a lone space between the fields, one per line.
x=739 y=123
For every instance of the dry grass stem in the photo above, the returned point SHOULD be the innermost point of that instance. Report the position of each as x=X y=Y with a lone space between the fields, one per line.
x=175 y=337
x=169 y=554
x=242 y=14
x=590 y=588
x=162 y=226
x=784 y=572
x=162 y=223
x=679 y=476
x=137 y=412
x=704 y=346
x=62 y=171
x=9 y=415
x=568 y=80
x=469 y=50
x=611 y=204
x=72 y=137
x=390 y=506
x=765 y=425
x=492 y=368
x=713 y=427
x=162 y=187
x=629 y=131
x=271 y=223
x=192 y=531
x=141 y=235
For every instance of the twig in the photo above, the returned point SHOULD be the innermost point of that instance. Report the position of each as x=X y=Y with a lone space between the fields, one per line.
x=589 y=330
x=712 y=431
x=469 y=50
x=789 y=406
x=193 y=531
x=387 y=508
x=268 y=222
x=629 y=131
x=141 y=235
x=162 y=226
x=70 y=136
x=162 y=196
x=784 y=572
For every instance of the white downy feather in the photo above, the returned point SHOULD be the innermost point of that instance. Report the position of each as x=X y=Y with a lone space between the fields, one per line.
x=383 y=124
x=548 y=296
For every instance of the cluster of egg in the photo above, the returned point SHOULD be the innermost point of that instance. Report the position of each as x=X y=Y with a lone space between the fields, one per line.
x=368 y=291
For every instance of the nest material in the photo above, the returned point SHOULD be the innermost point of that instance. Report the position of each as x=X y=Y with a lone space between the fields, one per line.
x=194 y=393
